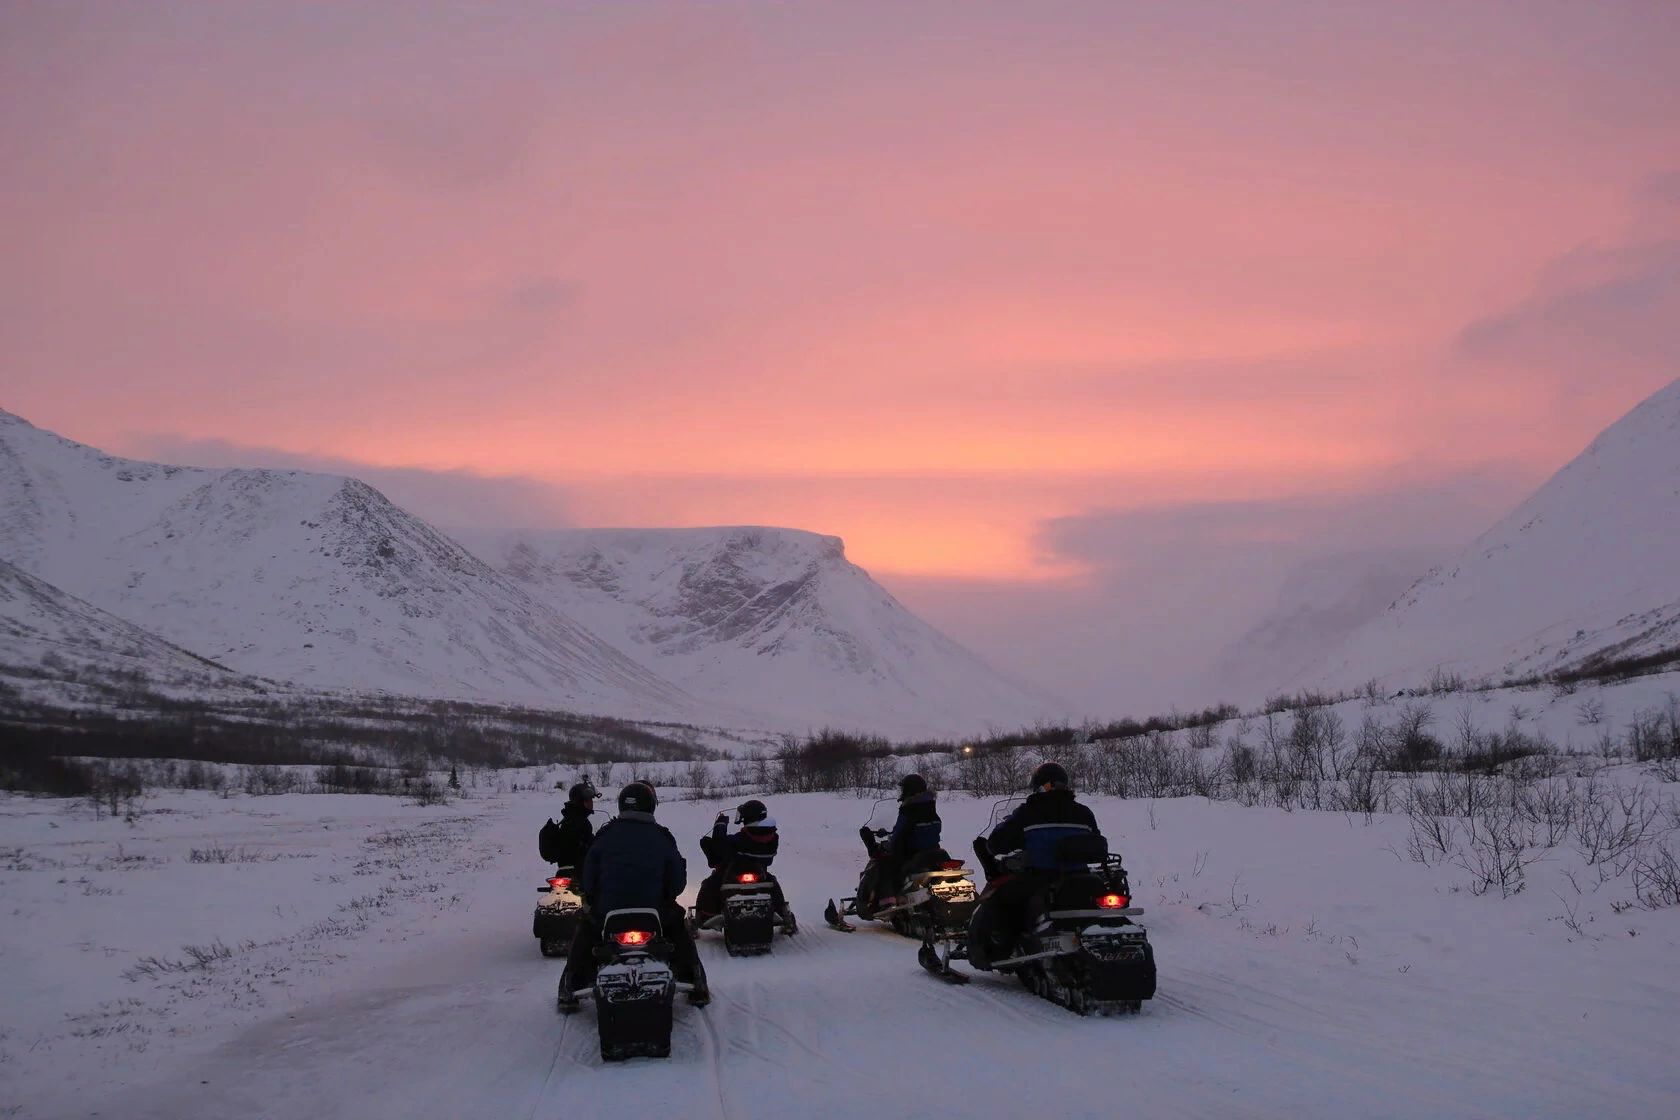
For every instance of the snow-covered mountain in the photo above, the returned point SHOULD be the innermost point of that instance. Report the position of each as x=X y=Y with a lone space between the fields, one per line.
x=777 y=619
x=1587 y=569
x=309 y=578
x=1320 y=603
x=49 y=635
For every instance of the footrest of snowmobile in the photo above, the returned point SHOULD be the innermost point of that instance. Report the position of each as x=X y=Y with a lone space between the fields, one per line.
x=928 y=957
x=832 y=915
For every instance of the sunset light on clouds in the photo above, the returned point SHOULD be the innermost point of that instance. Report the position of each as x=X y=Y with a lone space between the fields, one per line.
x=1004 y=295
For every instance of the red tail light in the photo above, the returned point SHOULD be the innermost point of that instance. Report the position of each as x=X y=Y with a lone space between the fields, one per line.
x=747 y=877
x=560 y=884
x=1113 y=902
x=951 y=865
x=633 y=937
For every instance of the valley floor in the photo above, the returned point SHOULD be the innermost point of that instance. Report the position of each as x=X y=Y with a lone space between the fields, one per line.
x=369 y=958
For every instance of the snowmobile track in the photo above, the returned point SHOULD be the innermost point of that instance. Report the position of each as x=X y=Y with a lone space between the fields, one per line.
x=713 y=1047
x=554 y=1064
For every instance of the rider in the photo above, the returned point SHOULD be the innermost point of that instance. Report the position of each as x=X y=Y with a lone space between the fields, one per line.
x=634 y=863
x=914 y=833
x=752 y=847
x=1036 y=828
x=566 y=843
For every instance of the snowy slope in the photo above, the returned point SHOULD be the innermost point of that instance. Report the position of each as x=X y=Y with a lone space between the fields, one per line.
x=1587 y=568
x=1320 y=603
x=773 y=618
x=47 y=633
x=308 y=578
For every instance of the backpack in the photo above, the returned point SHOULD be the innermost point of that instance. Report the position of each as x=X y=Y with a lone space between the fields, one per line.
x=548 y=842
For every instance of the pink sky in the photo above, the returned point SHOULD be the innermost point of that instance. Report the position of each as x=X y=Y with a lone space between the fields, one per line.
x=934 y=277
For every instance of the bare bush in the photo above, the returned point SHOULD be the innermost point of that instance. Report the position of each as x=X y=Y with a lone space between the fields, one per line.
x=1497 y=852
x=1656 y=877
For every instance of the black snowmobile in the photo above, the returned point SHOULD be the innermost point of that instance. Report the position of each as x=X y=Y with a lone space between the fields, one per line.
x=935 y=901
x=556 y=920
x=1081 y=948
x=635 y=987
x=749 y=917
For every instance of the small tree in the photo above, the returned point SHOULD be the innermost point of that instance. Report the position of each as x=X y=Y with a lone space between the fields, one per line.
x=454 y=778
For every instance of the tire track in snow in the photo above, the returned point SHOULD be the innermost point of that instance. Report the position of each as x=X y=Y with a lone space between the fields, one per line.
x=713 y=1047
x=559 y=1048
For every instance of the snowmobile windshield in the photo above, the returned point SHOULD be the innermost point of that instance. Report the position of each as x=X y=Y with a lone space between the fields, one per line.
x=1002 y=809
x=883 y=813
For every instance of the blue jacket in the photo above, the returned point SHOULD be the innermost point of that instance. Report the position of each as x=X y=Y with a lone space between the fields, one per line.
x=917 y=827
x=633 y=863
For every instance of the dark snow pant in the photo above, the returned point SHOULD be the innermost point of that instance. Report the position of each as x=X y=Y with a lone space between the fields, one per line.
x=685 y=958
x=1002 y=916
x=886 y=875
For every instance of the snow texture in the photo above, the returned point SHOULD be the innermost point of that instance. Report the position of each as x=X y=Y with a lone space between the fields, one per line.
x=308 y=578
x=319 y=581
x=48 y=633
x=777 y=619
x=379 y=963
x=1587 y=569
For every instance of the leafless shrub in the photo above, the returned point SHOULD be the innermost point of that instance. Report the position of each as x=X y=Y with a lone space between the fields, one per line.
x=428 y=792
x=198 y=958
x=1551 y=806
x=1433 y=836
x=1497 y=852
x=225 y=855
x=1611 y=823
x=1444 y=682
x=1590 y=712
x=1656 y=877
x=1655 y=733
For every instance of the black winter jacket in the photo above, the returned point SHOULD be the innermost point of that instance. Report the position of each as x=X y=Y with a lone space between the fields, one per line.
x=1045 y=818
x=917 y=827
x=576 y=834
x=634 y=862
x=753 y=844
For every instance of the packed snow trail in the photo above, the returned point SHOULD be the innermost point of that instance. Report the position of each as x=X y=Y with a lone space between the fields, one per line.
x=1304 y=971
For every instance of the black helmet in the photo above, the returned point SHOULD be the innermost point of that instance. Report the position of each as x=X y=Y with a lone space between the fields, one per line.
x=583 y=791
x=910 y=785
x=1049 y=776
x=751 y=812
x=637 y=797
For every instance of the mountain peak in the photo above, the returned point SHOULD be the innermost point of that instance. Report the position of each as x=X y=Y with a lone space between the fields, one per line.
x=1582 y=570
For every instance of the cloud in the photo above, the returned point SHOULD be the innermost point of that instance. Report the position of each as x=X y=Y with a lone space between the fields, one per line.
x=1599 y=314
x=1601 y=320
x=447 y=498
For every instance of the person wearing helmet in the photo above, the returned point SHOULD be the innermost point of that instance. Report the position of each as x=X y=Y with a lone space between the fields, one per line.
x=1035 y=830
x=915 y=833
x=565 y=844
x=634 y=863
x=752 y=847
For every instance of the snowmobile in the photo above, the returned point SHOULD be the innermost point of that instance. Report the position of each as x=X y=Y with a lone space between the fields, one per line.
x=749 y=918
x=1081 y=949
x=635 y=987
x=556 y=920
x=935 y=901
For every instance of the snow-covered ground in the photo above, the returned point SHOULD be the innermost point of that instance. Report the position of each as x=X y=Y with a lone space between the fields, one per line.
x=380 y=963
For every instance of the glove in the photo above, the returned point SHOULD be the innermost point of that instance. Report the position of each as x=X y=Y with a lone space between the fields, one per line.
x=723 y=818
